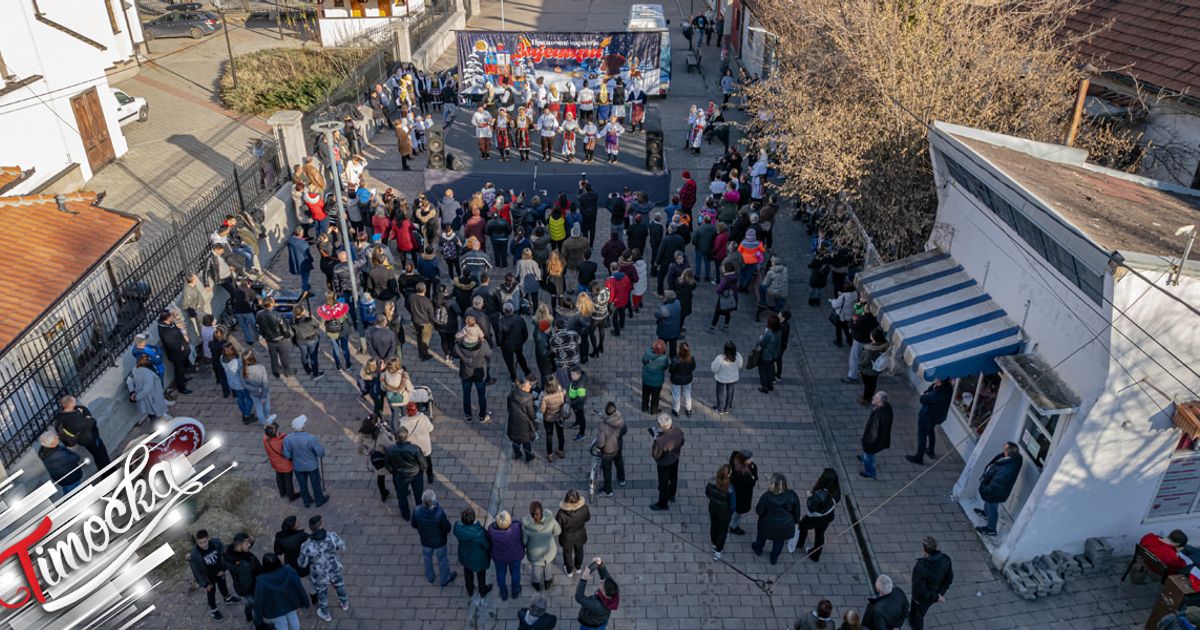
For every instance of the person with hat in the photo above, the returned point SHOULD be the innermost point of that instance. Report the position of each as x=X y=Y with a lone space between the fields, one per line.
x=535 y=617
x=306 y=453
x=687 y=193
x=752 y=253
x=320 y=555
x=420 y=432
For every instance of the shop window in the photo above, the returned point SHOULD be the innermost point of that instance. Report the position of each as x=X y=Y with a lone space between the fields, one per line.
x=1179 y=491
x=975 y=398
x=1038 y=434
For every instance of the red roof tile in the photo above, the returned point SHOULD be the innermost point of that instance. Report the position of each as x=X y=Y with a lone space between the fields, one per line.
x=10 y=175
x=57 y=249
x=1152 y=41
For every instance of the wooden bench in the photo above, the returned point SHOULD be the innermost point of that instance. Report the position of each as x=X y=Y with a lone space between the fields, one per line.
x=693 y=60
x=1151 y=564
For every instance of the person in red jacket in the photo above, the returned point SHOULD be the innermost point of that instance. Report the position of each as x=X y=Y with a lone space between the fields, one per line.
x=316 y=208
x=619 y=287
x=381 y=224
x=402 y=233
x=273 y=444
x=687 y=193
x=1168 y=550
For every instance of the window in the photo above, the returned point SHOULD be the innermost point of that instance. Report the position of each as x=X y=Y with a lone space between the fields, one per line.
x=122 y=98
x=1038 y=434
x=975 y=398
x=112 y=16
x=1179 y=491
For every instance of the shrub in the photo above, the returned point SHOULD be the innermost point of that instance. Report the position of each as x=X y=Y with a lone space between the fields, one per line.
x=287 y=78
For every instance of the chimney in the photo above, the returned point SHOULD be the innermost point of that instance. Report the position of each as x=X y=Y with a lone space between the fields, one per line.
x=61 y=200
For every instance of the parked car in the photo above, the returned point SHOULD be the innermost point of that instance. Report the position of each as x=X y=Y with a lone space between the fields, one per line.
x=194 y=24
x=130 y=108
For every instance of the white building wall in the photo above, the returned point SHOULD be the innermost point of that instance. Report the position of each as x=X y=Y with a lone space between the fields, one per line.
x=36 y=122
x=1108 y=472
x=1173 y=132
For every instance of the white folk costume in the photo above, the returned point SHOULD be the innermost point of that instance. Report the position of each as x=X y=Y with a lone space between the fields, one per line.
x=590 y=131
x=569 y=130
x=568 y=99
x=503 y=139
x=483 y=131
x=618 y=101
x=612 y=139
x=587 y=104
x=554 y=103
x=698 y=132
x=547 y=127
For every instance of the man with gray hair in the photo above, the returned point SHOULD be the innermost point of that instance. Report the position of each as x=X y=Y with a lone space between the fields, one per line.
x=877 y=436
x=668 y=442
x=62 y=464
x=535 y=617
x=433 y=528
x=889 y=609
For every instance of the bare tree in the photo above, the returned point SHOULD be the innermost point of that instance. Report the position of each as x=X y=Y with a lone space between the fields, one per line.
x=859 y=82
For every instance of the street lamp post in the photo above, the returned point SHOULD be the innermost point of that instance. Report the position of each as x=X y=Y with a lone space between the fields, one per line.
x=228 y=46
x=327 y=128
x=503 y=24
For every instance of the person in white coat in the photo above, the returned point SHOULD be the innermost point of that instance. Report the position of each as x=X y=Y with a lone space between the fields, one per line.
x=420 y=434
x=726 y=369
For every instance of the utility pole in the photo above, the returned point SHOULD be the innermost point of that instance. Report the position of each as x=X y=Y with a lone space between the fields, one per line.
x=228 y=46
x=1077 y=113
x=326 y=129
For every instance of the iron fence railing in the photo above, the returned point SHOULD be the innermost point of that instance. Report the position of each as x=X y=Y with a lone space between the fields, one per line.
x=67 y=353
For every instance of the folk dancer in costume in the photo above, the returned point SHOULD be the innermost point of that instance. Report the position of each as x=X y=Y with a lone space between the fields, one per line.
x=418 y=125
x=555 y=103
x=506 y=100
x=691 y=127
x=540 y=96
x=590 y=131
x=603 y=105
x=612 y=138
x=527 y=98
x=523 y=124
x=569 y=129
x=587 y=105
x=637 y=107
x=489 y=100
x=698 y=132
x=482 y=121
x=503 y=140
x=547 y=127
x=618 y=101
x=568 y=99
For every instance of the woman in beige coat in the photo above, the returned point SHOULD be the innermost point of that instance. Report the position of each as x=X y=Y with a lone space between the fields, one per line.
x=404 y=142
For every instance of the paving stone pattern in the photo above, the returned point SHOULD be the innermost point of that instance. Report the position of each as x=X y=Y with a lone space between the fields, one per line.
x=661 y=559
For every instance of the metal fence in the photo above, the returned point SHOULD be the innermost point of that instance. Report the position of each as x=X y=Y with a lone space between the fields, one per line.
x=68 y=352
x=436 y=13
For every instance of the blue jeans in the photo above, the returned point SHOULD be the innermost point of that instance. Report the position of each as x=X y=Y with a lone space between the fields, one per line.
x=322 y=590
x=249 y=328
x=290 y=621
x=304 y=285
x=993 y=514
x=481 y=394
x=68 y=487
x=503 y=571
x=443 y=558
x=307 y=478
x=342 y=342
x=703 y=266
x=309 y=352
x=245 y=403
x=322 y=226
x=603 y=626
x=868 y=461
x=746 y=274
x=760 y=543
x=262 y=407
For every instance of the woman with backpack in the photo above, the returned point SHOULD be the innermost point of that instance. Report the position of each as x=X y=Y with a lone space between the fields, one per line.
x=373 y=441
x=819 y=509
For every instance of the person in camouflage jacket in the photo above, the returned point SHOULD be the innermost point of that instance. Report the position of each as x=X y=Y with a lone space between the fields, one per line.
x=320 y=555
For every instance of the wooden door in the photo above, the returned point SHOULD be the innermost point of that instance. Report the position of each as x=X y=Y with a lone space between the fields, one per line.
x=93 y=128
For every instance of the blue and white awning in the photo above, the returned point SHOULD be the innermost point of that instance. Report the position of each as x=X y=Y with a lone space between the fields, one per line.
x=947 y=326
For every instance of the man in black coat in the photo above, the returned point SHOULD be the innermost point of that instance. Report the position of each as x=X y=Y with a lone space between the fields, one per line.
x=877 y=435
x=208 y=568
x=278 y=333
x=935 y=404
x=381 y=341
x=637 y=234
x=243 y=567
x=288 y=541
x=671 y=243
x=996 y=484
x=175 y=346
x=421 y=309
x=407 y=465
x=522 y=419
x=589 y=204
x=513 y=335
x=888 y=610
x=76 y=425
x=931 y=578
x=62 y=464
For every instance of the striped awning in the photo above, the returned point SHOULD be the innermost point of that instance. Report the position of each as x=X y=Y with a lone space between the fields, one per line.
x=945 y=324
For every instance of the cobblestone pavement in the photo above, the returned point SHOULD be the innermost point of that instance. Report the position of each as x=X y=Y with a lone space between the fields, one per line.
x=661 y=559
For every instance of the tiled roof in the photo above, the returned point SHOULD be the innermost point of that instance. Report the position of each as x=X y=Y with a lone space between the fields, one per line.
x=1152 y=41
x=55 y=250
x=10 y=175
